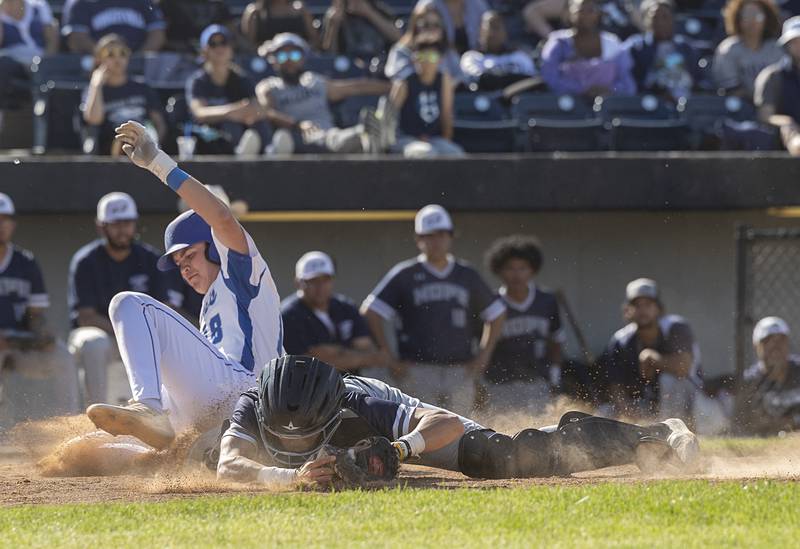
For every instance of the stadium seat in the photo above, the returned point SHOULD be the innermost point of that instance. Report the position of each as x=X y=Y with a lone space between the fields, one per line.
x=705 y=115
x=641 y=123
x=556 y=122
x=336 y=66
x=482 y=124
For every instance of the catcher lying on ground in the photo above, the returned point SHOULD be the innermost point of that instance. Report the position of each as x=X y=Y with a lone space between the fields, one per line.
x=283 y=431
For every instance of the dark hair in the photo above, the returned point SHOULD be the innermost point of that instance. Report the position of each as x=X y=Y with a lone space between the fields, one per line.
x=772 y=21
x=517 y=246
x=409 y=38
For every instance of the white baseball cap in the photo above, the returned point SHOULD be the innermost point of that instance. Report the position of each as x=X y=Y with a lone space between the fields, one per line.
x=116 y=207
x=6 y=205
x=432 y=218
x=791 y=30
x=768 y=326
x=314 y=264
x=642 y=287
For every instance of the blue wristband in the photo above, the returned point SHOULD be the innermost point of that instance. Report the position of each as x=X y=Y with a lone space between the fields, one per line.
x=176 y=178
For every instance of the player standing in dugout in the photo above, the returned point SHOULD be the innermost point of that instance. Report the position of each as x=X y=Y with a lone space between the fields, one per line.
x=439 y=301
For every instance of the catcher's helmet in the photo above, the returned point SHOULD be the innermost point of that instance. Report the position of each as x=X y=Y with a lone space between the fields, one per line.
x=299 y=397
x=183 y=231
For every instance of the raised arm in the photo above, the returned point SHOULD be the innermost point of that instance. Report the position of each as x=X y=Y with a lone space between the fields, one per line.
x=143 y=152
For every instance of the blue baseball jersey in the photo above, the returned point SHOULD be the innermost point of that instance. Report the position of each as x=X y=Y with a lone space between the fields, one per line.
x=95 y=278
x=241 y=314
x=305 y=328
x=439 y=311
x=363 y=416
x=131 y=19
x=621 y=358
x=26 y=36
x=521 y=352
x=21 y=286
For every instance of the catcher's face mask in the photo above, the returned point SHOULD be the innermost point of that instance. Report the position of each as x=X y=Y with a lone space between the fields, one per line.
x=272 y=438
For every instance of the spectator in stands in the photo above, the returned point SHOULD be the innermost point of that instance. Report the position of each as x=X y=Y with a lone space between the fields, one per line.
x=495 y=65
x=359 y=28
x=186 y=20
x=116 y=262
x=138 y=22
x=462 y=21
x=440 y=302
x=770 y=394
x=27 y=30
x=37 y=374
x=777 y=94
x=584 y=60
x=317 y=322
x=113 y=98
x=526 y=364
x=653 y=363
x=618 y=16
x=297 y=102
x=222 y=100
x=426 y=23
x=752 y=27
x=423 y=102
x=663 y=63
x=262 y=20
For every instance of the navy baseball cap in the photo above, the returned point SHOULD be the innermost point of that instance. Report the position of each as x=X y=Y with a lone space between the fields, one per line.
x=210 y=31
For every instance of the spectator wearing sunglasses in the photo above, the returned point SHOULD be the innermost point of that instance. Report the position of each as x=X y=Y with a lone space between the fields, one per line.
x=424 y=103
x=139 y=22
x=425 y=22
x=113 y=98
x=298 y=102
x=222 y=101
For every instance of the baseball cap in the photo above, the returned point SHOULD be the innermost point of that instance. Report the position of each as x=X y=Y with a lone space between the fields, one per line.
x=211 y=30
x=768 y=326
x=6 y=205
x=116 y=206
x=432 y=218
x=281 y=40
x=314 y=264
x=642 y=287
x=791 y=30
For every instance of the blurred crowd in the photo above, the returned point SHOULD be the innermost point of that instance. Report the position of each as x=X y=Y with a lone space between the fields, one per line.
x=439 y=77
x=432 y=326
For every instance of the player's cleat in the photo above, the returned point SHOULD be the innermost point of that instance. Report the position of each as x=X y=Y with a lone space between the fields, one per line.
x=136 y=419
x=683 y=442
x=669 y=444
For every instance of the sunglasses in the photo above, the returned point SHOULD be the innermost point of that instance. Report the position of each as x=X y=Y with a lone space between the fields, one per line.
x=115 y=51
x=283 y=56
x=427 y=56
x=218 y=43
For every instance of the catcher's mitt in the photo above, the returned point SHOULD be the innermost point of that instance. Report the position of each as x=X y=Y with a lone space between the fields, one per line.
x=371 y=460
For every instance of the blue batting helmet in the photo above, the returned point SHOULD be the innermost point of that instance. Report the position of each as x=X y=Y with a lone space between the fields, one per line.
x=183 y=231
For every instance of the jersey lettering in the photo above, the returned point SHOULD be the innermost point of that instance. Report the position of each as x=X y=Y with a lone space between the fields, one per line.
x=215 y=329
x=441 y=291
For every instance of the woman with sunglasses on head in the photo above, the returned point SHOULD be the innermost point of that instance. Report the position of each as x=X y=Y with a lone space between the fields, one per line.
x=263 y=19
x=753 y=27
x=425 y=21
x=222 y=100
x=423 y=102
x=112 y=97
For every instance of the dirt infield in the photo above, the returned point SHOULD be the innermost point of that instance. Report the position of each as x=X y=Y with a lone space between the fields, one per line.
x=22 y=480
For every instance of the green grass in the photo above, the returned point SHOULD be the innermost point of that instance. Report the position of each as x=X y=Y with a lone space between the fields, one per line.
x=668 y=513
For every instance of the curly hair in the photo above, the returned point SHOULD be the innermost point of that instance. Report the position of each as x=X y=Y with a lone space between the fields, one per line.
x=772 y=20
x=517 y=246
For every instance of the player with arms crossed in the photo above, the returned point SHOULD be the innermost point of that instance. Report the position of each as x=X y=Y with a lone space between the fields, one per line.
x=195 y=375
x=279 y=430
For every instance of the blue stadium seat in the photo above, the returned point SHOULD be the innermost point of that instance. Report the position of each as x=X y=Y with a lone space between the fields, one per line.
x=336 y=66
x=482 y=124
x=642 y=123
x=707 y=116
x=550 y=122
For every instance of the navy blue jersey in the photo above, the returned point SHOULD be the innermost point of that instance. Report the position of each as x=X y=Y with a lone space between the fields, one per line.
x=769 y=405
x=621 y=358
x=363 y=416
x=521 y=352
x=21 y=286
x=236 y=87
x=95 y=278
x=421 y=115
x=438 y=311
x=131 y=19
x=304 y=328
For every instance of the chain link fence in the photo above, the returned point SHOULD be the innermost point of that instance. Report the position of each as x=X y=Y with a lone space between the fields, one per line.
x=768 y=284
